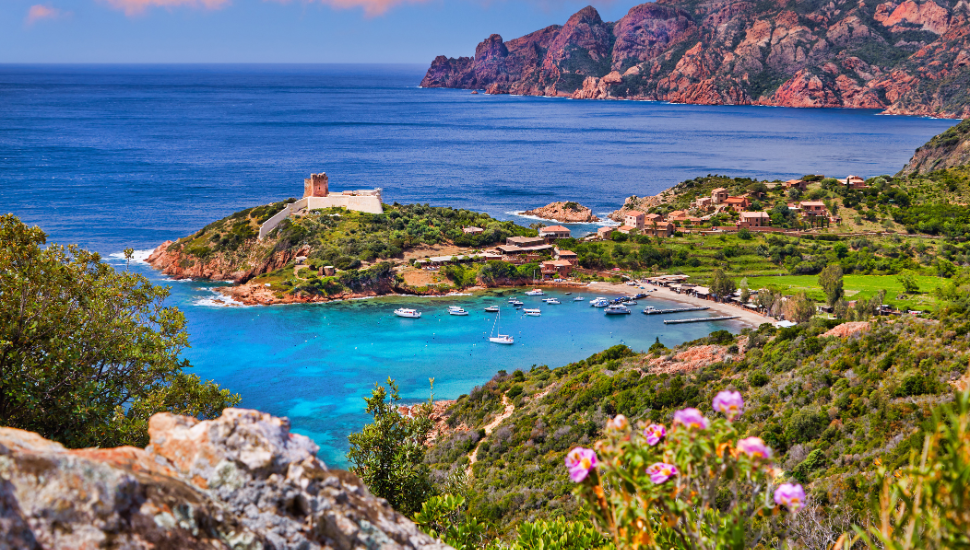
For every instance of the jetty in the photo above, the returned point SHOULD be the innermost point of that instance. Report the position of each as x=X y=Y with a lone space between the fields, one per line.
x=698 y=320
x=674 y=310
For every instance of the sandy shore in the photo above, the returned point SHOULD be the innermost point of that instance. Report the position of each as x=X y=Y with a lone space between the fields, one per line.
x=745 y=316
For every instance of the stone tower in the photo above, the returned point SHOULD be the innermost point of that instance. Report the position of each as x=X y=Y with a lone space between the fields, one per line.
x=317 y=185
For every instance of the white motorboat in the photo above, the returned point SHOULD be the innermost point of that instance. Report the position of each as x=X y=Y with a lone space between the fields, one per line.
x=457 y=311
x=600 y=302
x=578 y=299
x=630 y=302
x=617 y=309
x=516 y=303
x=407 y=313
x=535 y=292
x=552 y=301
x=500 y=338
x=532 y=312
x=492 y=309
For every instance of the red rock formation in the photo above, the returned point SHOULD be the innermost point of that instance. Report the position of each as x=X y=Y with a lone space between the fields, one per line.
x=241 y=267
x=905 y=57
x=558 y=211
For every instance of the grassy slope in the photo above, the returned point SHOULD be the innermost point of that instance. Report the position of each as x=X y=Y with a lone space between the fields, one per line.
x=857 y=287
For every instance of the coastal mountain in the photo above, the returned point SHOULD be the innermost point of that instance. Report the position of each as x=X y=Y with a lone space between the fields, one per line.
x=905 y=57
x=947 y=150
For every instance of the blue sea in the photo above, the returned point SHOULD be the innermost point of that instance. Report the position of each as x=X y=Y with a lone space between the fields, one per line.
x=129 y=156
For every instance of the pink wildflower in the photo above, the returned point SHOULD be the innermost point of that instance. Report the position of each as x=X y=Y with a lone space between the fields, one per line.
x=661 y=472
x=729 y=403
x=691 y=418
x=655 y=433
x=754 y=447
x=580 y=462
x=790 y=496
x=618 y=423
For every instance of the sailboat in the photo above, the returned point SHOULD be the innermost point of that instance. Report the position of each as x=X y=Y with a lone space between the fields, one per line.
x=500 y=338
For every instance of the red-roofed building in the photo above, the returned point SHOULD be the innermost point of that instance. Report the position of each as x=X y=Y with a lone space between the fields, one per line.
x=554 y=232
x=567 y=255
x=754 y=219
x=556 y=269
x=634 y=218
x=738 y=204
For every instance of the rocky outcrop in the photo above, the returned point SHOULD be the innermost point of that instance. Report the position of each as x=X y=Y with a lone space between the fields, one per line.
x=947 y=150
x=691 y=359
x=252 y=259
x=640 y=204
x=241 y=481
x=565 y=212
x=906 y=57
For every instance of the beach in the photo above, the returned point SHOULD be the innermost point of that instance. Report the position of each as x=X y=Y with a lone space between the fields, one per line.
x=745 y=316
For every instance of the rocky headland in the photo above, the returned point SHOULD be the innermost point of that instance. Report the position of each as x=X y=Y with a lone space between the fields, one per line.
x=564 y=211
x=242 y=481
x=904 y=57
x=947 y=150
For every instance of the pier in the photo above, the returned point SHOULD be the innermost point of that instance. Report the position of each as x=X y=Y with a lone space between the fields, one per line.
x=675 y=310
x=698 y=320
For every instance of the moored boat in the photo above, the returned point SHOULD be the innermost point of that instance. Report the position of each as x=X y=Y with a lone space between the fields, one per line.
x=407 y=313
x=492 y=309
x=535 y=292
x=578 y=299
x=454 y=310
x=552 y=301
x=617 y=309
x=532 y=312
x=600 y=302
x=500 y=338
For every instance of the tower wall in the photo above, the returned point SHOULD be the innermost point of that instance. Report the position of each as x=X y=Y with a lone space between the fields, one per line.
x=317 y=185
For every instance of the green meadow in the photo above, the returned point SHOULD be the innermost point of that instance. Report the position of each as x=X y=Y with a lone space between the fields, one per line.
x=857 y=287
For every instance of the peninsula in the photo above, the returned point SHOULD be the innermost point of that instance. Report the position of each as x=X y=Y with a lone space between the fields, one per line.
x=904 y=57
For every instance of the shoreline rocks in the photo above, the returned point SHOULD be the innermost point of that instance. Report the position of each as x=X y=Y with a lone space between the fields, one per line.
x=564 y=212
x=241 y=481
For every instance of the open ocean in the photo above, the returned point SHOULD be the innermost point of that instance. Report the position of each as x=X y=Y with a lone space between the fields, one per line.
x=116 y=156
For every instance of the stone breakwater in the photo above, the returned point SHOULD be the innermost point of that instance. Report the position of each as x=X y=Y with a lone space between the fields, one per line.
x=241 y=481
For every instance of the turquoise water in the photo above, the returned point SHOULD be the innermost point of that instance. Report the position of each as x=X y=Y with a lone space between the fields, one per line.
x=315 y=363
x=115 y=156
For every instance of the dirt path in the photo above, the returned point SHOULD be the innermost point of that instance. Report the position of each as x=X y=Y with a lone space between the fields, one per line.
x=489 y=428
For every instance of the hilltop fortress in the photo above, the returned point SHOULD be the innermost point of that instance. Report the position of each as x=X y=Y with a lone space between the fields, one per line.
x=317 y=195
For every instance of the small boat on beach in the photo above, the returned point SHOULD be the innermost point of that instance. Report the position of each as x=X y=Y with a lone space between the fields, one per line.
x=617 y=309
x=535 y=292
x=407 y=313
x=455 y=310
x=534 y=312
x=492 y=309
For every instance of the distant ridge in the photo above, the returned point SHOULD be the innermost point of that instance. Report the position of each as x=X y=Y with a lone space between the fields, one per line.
x=905 y=57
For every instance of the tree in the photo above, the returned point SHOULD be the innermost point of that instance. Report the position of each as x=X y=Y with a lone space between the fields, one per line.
x=830 y=279
x=722 y=286
x=87 y=353
x=909 y=282
x=388 y=454
x=799 y=308
x=745 y=291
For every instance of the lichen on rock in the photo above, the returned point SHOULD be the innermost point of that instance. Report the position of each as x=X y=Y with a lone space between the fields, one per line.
x=240 y=481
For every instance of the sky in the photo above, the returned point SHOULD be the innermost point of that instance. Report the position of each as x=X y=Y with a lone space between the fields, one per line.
x=269 y=31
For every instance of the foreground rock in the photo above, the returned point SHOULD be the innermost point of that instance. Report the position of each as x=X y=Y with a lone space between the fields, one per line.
x=242 y=481
x=565 y=212
x=906 y=57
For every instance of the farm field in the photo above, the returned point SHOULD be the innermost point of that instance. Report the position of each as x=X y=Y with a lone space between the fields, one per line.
x=857 y=287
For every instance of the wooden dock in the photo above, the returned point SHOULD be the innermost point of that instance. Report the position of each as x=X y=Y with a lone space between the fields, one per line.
x=698 y=320
x=675 y=310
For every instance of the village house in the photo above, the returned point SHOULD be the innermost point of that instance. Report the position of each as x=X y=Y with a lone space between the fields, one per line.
x=677 y=216
x=555 y=269
x=693 y=222
x=604 y=232
x=652 y=218
x=567 y=255
x=472 y=230
x=553 y=232
x=801 y=185
x=702 y=203
x=626 y=229
x=738 y=204
x=659 y=229
x=525 y=241
x=719 y=195
x=754 y=219
x=854 y=182
x=635 y=219
x=811 y=209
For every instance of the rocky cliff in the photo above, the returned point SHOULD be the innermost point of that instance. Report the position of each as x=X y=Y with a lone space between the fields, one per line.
x=565 y=212
x=241 y=481
x=905 y=57
x=251 y=259
x=947 y=150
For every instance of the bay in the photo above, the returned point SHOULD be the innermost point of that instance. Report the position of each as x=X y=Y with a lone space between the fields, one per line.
x=116 y=156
